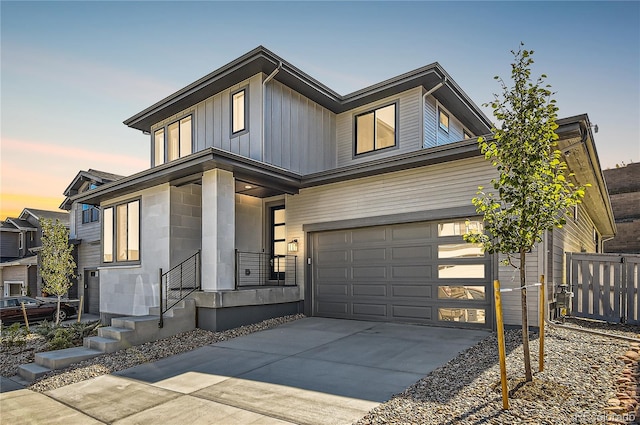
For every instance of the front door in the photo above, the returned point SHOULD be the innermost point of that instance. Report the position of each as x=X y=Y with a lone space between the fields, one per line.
x=92 y=291
x=278 y=242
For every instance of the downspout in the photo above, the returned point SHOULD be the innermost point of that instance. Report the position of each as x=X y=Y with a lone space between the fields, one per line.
x=264 y=106
x=424 y=100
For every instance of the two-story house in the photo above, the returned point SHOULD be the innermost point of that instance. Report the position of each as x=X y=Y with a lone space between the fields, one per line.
x=85 y=231
x=20 y=241
x=302 y=199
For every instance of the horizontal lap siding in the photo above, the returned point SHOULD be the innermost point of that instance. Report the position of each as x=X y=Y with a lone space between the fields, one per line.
x=435 y=187
x=409 y=131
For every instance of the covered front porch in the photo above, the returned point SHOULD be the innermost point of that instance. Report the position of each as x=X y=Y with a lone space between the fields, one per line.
x=248 y=266
x=231 y=211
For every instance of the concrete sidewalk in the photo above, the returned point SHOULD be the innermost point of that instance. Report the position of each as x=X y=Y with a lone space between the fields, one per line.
x=311 y=371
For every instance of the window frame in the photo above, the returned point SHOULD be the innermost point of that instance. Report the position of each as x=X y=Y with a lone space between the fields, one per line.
x=91 y=214
x=396 y=105
x=245 y=128
x=466 y=135
x=94 y=214
x=441 y=126
x=165 y=139
x=153 y=145
x=114 y=234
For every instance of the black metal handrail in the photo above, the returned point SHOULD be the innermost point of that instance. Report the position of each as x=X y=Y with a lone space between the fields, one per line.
x=265 y=269
x=178 y=283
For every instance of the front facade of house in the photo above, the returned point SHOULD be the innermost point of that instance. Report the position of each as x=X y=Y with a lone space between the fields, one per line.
x=300 y=199
x=85 y=231
x=20 y=241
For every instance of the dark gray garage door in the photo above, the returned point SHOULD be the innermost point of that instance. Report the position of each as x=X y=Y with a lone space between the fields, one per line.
x=413 y=272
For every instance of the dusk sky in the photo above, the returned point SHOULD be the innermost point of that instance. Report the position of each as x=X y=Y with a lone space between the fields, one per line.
x=71 y=72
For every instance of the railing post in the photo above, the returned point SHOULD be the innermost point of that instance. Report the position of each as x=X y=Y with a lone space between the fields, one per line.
x=237 y=277
x=199 y=267
x=161 y=322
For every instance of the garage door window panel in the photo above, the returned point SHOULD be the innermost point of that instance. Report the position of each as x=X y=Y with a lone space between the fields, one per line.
x=460 y=250
x=461 y=292
x=459 y=227
x=462 y=315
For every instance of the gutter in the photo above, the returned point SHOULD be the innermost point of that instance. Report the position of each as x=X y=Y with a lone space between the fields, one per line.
x=424 y=99
x=264 y=106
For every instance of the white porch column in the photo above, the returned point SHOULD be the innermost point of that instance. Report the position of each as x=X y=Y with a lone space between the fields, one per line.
x=218 y=230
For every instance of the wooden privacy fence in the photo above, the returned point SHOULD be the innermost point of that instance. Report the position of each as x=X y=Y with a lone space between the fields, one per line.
x=605 y=286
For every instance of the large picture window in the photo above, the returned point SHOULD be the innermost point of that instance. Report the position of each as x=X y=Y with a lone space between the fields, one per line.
x=376 y=129
x=121 y=232
x=178 y=141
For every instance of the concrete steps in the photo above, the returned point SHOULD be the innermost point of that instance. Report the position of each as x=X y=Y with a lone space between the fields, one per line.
x=124 y=332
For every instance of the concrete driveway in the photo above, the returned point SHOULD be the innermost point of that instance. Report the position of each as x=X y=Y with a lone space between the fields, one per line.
x=311 y=371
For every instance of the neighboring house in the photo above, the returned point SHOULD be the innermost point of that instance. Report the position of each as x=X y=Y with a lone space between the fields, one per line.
x=624 y=190
x=20 y=241
x=85 y=231
x=301 y=199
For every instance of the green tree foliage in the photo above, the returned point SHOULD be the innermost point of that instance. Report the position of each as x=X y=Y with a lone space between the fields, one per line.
x=56 y=260
x=533 y=192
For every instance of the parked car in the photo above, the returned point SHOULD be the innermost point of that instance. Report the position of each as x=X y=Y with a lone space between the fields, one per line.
x=11 y=309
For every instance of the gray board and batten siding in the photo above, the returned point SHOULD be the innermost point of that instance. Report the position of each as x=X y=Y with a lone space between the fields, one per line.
x=300 y=135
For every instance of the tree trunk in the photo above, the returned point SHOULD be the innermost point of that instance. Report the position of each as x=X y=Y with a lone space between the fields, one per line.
x=525 y=319
x=58 y=312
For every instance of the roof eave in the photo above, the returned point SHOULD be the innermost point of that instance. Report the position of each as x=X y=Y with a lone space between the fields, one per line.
x=582 y=158
x=262 y=60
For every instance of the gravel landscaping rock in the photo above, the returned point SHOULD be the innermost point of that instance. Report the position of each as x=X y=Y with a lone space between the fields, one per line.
x=583 y=374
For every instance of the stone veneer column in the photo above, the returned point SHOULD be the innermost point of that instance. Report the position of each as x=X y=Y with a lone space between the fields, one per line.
x=218 y=230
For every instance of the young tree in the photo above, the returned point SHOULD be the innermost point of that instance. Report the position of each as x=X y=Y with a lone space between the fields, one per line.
x=56 y=260
x=532 y=193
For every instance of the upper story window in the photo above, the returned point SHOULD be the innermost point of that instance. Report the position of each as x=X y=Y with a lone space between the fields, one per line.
x=239 y=111
x=444 y=120
x=121 y=232
x=466 y=135
x=20 y=240
x=158 y=150
x=90 y=213
x=376 y=129
x=173 y=141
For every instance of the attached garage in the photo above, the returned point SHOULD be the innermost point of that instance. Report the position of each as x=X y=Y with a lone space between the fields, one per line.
x=420 y=272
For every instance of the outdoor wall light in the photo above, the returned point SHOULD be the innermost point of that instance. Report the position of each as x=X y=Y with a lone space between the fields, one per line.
x=293 y=246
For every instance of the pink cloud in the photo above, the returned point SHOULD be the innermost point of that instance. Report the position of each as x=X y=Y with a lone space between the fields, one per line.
x=88 y=156
x=45 y=169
